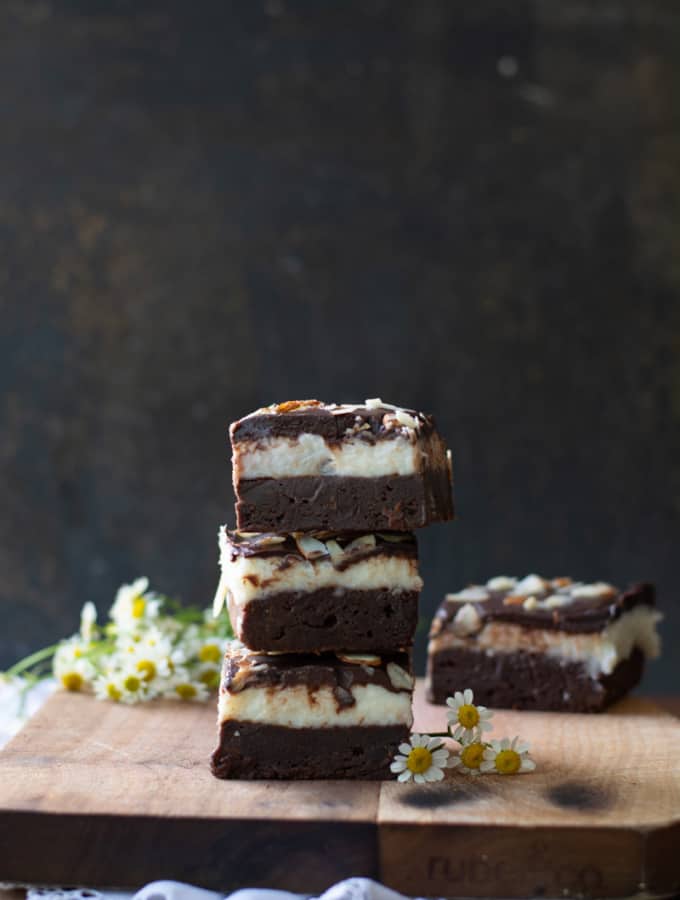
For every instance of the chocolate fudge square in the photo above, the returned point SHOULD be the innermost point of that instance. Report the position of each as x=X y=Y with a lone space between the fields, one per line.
x=320 y=592
x=543 y=644
x=311 y=716
x=308 y=466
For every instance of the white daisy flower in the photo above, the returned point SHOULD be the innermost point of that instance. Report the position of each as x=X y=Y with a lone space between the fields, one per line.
x=422 y=760
x=470 y=756
x=149 y=654
x=109 y=686
x=132 y=685
x=134 y=606
x=464 y=717
x=70 y=667
x=209 y=675
x=506 y=757
x=183 y=687
x=88 y=621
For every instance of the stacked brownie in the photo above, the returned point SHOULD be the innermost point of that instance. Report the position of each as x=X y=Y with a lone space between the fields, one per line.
x=321 y=581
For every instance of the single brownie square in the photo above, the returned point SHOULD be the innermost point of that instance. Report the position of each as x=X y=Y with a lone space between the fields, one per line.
x=306 y=466
x=311 y=716
x=542 y=644
x=320 y=592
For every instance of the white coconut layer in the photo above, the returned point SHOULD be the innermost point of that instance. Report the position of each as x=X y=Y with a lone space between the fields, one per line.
x=310 y=454
x=600 y=652
x=250 y=577
x=297 y=707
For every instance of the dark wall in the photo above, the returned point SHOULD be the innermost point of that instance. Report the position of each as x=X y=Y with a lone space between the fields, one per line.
x=468 y=208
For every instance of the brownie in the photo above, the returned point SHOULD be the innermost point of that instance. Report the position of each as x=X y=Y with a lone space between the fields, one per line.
x=311 y=715
x=307 y=465
x=543 y=644
x=321 y=591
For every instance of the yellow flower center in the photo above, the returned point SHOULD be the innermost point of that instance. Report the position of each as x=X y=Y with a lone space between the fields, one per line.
x=138 y=607
x=210 y=653
x=508 y=762
x=472 y=755
x=210 y=678
x=77 y=653
x=468 y=716
x=419 y=760
x=185 y=691
x=72 y=681
x=132 y=684
x=147 y=669
x=113 y=692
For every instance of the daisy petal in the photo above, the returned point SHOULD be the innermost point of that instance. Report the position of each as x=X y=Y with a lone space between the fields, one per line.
x=405 y=749
x=418 y=778
x=434 y=774
x=405 y=776
x=458 y=697
x=490 y=753
x=487 y=766
x=398 y=765
x=528 y=765
x=468 y=696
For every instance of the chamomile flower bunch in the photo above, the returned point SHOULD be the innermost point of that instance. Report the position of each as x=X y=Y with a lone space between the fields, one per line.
x=425 y=758
x=149 y=647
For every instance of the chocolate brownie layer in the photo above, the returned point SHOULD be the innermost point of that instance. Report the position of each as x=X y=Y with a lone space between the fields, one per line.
x=344 y=503
x=258 y=751
x=529 y=680
x=327 y=619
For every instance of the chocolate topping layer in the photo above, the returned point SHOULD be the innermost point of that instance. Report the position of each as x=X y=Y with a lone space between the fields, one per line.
x=245 y=669
x=347 y=548
x=331 y=421
x=567 y=613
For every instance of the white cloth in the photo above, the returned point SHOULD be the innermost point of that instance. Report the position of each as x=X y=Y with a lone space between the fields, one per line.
x=350 y=889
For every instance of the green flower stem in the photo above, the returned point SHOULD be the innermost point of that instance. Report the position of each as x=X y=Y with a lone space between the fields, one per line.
x=24 y=664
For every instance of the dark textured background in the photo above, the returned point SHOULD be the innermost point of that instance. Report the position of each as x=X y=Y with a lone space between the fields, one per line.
x=468 y=208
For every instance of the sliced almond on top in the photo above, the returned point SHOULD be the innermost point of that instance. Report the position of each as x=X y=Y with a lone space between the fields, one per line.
x=406 y=419
x=290 y=405
x=220 y=594
x=269 y=540
x=365 y=542
x=309 y=547
x=399 y=677
x=360 y=659
x=335 y=550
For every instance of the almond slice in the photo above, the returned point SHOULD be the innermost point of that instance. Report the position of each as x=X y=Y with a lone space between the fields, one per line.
x=365 y=542
x=335 y=551
x=399 y=677
x=310 y=548
x=220 y=595
x=360 y=659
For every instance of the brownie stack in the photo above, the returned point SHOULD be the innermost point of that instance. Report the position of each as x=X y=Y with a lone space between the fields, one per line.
x=322 y=585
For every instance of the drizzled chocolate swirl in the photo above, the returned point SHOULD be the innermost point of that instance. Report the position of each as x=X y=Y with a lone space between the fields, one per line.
x=246 y=669
x=342 y=548
x=332 y=421
x=558 y=604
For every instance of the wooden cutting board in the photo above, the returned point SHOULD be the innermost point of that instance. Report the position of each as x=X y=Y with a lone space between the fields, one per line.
x=102 y=795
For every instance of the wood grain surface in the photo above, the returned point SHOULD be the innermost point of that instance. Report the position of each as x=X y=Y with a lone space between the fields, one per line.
x=104 y=795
